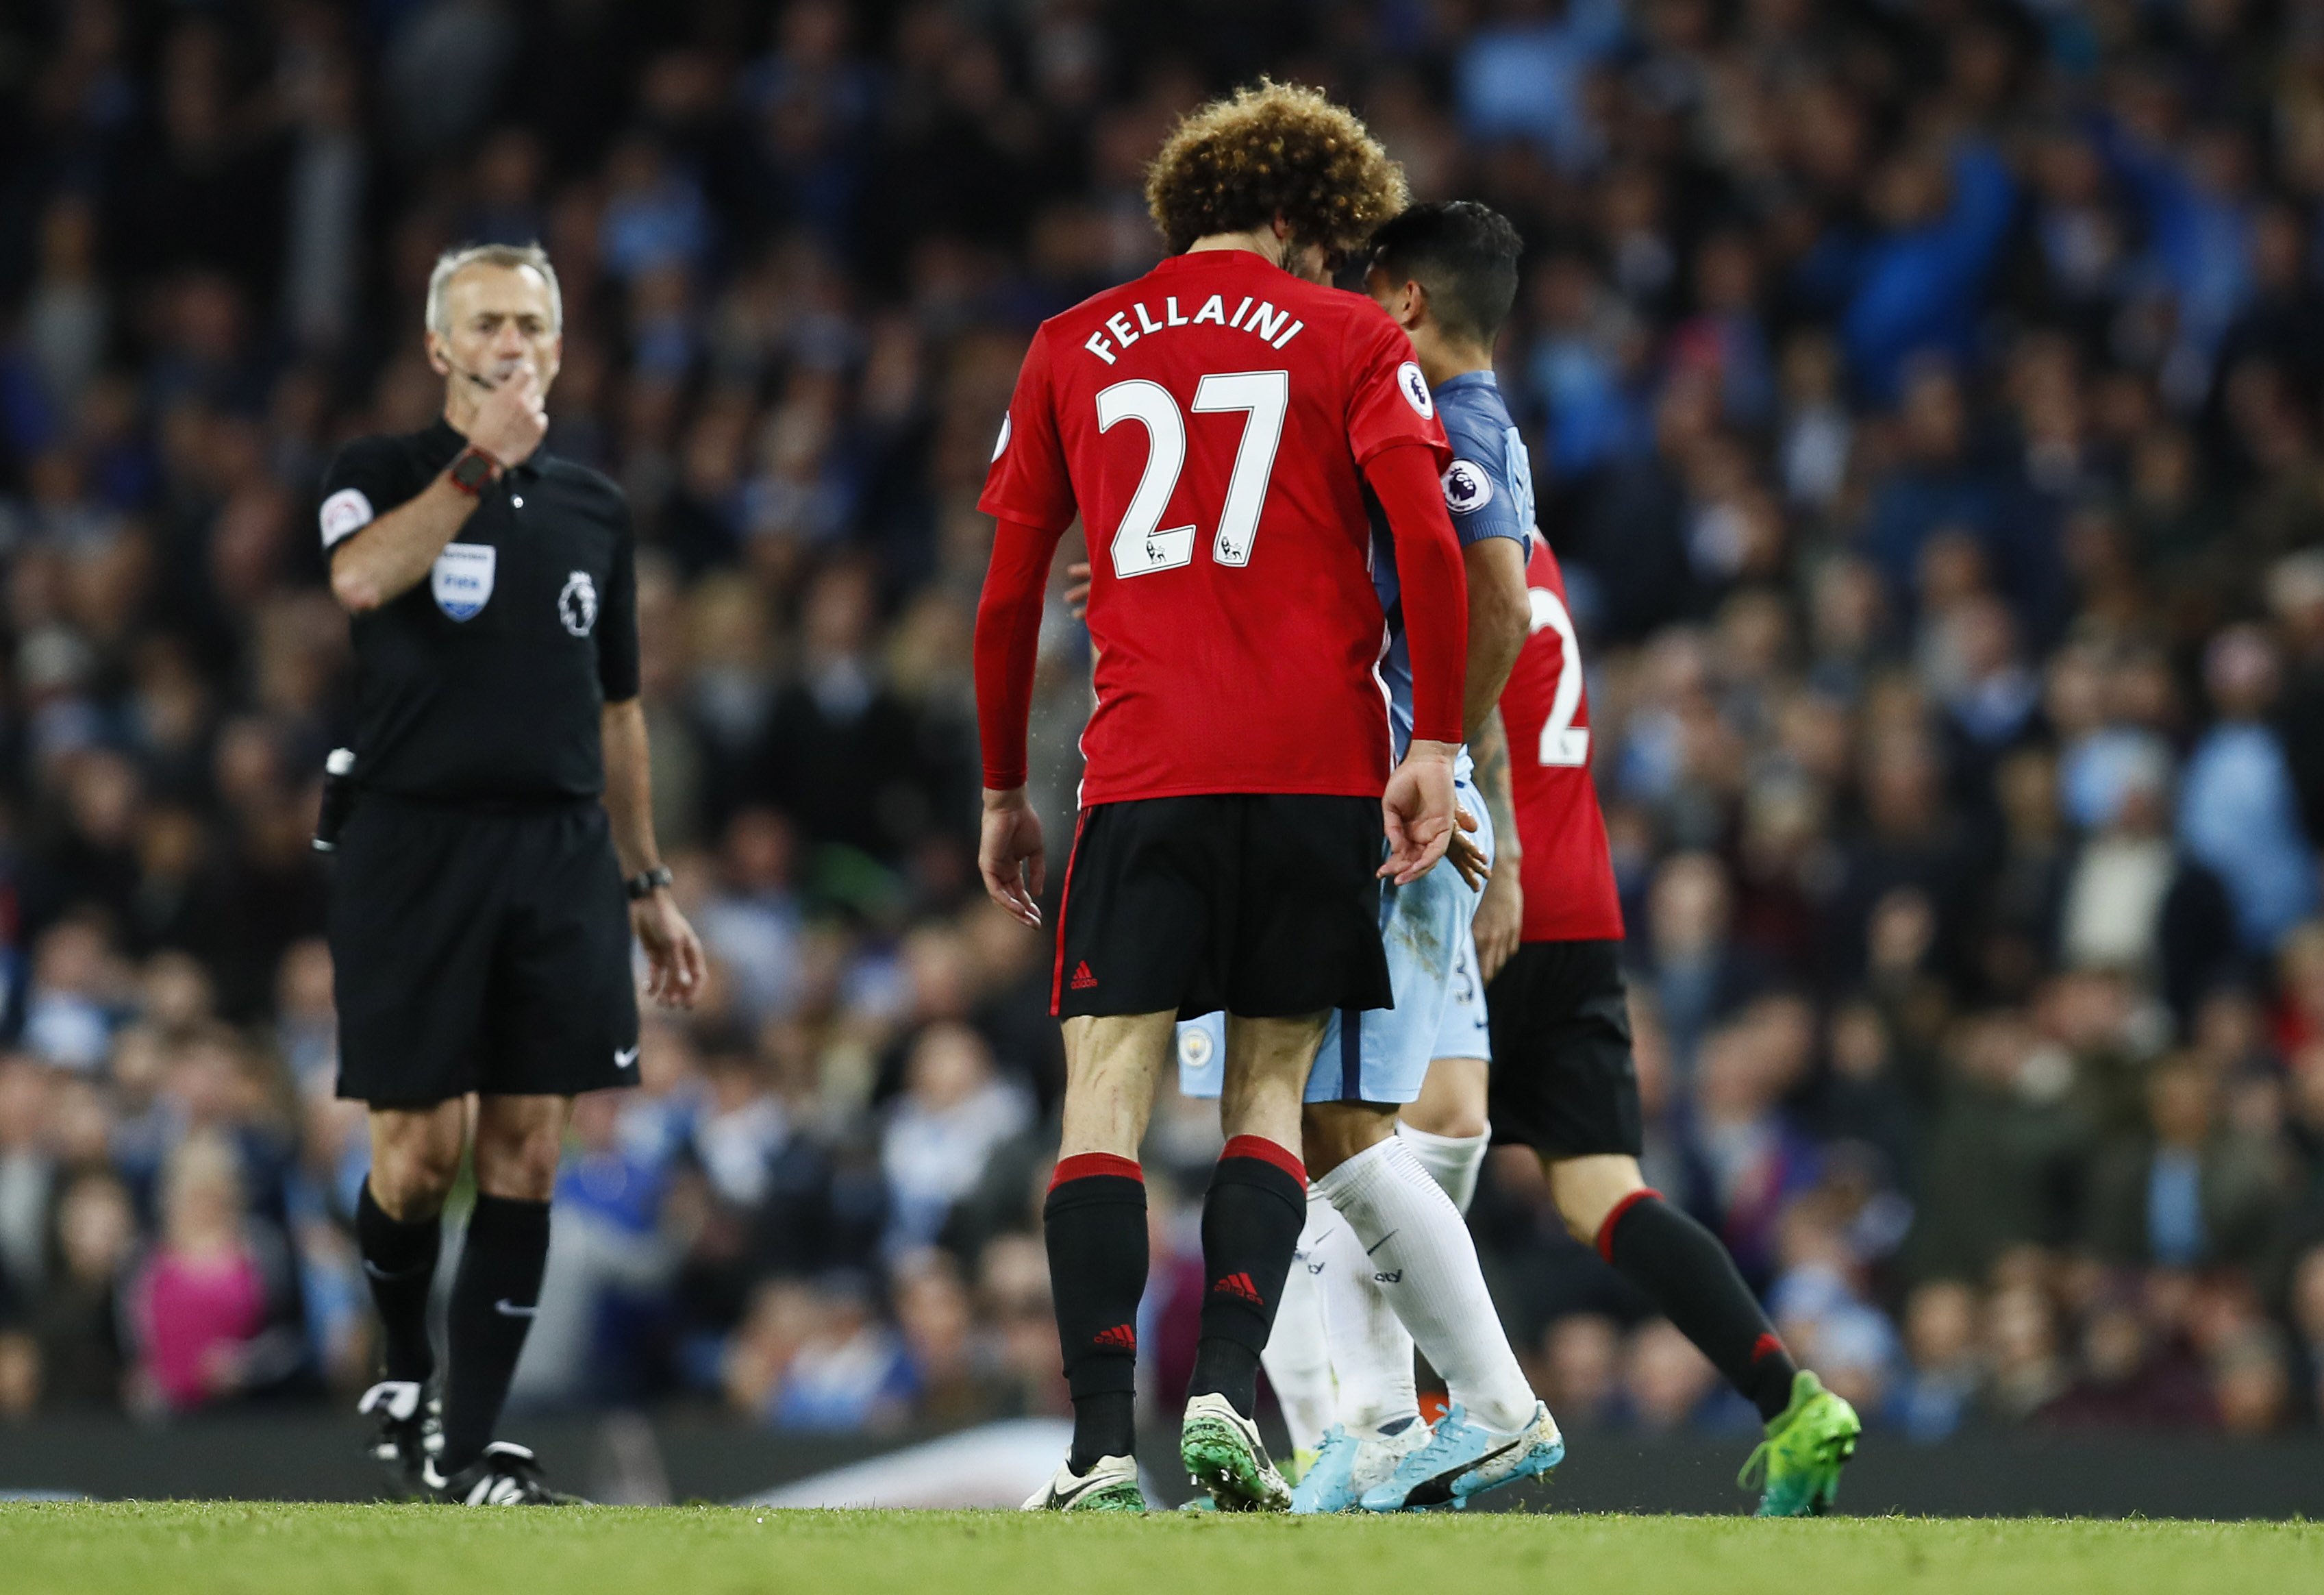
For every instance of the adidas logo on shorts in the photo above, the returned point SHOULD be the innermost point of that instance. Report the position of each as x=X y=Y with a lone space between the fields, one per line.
x=1083 y=979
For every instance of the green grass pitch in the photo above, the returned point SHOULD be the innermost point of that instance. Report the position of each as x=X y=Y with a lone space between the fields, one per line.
x=195 y=1548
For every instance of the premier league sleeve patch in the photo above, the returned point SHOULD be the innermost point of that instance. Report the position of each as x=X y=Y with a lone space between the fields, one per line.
x=1413 y=386
x=576 y=604
x=344 y=513
x=461 y=579
x=1467 y=487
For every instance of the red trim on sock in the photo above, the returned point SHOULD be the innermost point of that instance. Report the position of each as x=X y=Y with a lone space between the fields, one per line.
x=1767 y=1344
x=1605 y=1230
x=1082 y=1165
x=1267 y=1151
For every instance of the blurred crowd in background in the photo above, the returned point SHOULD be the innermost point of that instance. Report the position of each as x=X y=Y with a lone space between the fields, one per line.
x=1924 y=398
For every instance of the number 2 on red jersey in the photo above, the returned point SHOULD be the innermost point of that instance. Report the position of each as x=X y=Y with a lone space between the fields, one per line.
x=1563 y=743
x=1141 y=543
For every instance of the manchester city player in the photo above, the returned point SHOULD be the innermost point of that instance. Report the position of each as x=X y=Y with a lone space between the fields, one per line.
x=1386 y=1258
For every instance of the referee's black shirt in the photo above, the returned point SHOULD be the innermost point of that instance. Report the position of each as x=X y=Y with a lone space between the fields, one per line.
x=486 y=681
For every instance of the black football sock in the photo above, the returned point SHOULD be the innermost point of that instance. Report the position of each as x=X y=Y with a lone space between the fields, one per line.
x=399 y=1259
x=1094 y=1221
x=494 y=1296
x=1690 y=1277
x=1252 y=1220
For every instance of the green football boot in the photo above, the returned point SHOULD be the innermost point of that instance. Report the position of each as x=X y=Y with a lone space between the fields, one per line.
x=1224 y=1455
x=1807 y=1445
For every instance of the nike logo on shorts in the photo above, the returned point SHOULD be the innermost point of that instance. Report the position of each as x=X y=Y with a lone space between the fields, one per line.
x=626 y=1057
x=508 y=1309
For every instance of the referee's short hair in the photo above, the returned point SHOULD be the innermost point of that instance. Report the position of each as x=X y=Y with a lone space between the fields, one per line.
x=453 y=262
x=1464 y=254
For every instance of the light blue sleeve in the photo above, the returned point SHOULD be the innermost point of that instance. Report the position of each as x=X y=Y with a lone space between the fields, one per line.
x=1488 y=486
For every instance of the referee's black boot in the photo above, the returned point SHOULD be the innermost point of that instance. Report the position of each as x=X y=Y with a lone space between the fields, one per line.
x=506 y=1475
x=410 y=1430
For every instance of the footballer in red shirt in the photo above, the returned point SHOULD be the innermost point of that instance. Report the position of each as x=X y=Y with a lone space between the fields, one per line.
x=1565 y=1084
x=1217 y=426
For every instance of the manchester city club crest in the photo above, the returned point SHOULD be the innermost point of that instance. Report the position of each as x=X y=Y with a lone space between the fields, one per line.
x=461 y=579
x=576 y=604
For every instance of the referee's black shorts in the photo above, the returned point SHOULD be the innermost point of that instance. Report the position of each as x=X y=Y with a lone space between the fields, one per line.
x=1563 y=1079
x=480 y=948
x=1259 y=903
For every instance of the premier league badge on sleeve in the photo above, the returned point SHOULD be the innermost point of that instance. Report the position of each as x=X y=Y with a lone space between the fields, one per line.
x=461 y=579
x=1413 y=386
x=576 y=605
x=1467 y=487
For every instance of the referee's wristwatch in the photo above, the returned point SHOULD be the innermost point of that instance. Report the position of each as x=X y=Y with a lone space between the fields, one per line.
x=473 y=470
x=647 y=882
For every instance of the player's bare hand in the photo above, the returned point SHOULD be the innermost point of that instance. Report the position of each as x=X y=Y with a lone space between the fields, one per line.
x=1464 y=854
x=1416 y=811
x=1499 y=922
x=1077 y=589
x=675 y=966
x=510 y=420
x=1009 y=855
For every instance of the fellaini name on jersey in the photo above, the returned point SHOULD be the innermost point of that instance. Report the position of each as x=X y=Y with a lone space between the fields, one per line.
x=1273 y=327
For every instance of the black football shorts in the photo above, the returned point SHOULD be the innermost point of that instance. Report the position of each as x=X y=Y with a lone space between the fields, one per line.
x=1266 y=905
x=480 y=950
x=1563 y=1079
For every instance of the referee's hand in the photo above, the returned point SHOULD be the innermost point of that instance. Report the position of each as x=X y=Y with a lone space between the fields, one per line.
x=511 y=419
x=674 y=961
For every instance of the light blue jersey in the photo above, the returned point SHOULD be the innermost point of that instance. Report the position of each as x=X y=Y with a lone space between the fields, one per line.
x=1489 y=488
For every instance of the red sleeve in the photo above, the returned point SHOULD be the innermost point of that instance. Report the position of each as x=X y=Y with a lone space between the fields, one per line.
x=1028 y=480
x=1388 y=401
x=1007 y=641
x=1435 y=587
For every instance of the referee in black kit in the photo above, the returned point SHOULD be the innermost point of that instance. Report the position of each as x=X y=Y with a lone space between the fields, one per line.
x=496 y=855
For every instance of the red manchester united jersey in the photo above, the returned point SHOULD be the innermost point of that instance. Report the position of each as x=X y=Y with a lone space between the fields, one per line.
x=1209 y=422
x=1568 y=874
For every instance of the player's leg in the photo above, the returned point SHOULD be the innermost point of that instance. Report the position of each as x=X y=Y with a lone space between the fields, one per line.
x=1686 y=1272
x=1421 y=1254
x=1445 y=1125
x=1298 y=1355
x=1425 y=1263
x=1252 y=1215
x=1377 y=1411
x=1094 y=1223
x=1135 y=926
x=1566 y=1085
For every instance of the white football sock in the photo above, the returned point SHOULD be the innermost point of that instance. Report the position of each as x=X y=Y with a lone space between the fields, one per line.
x=1452 y=1161
x=1425 y=1265
x=1371 y=1352
x=1298 y=1355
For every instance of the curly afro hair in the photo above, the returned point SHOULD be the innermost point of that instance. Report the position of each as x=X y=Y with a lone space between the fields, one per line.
x=1231 y=165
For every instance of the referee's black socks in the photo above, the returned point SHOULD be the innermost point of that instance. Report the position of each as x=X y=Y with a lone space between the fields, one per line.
x=494 y=1296
x=1251 y=1219
x=1094 y=1221
x=399 y=1259
x=1691 y=1278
